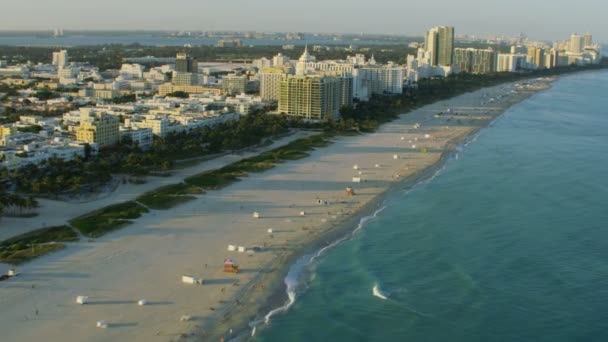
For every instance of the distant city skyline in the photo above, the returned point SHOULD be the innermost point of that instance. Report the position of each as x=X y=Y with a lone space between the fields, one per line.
x=543 y=20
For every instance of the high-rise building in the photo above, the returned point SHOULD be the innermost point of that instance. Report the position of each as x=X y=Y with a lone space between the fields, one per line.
x=508 y=62
x=381 y=79
x=347 y=90
x=270 y=83
x=474 y=61
x=463 y=59
x=552 y=59
x=576 y=43
x=99 y=128
x=484 y=61
x=60 y=58
x=311 y=97
x=234 y=84
x=185 y=63
x=439 y=44
x=536 y=55
x=588 y=39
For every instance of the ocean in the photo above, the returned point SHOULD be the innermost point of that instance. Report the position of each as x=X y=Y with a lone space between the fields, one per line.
x=507 y=242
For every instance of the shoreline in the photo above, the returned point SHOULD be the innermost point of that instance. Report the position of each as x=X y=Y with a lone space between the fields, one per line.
x=277 y=297
x=146 y=258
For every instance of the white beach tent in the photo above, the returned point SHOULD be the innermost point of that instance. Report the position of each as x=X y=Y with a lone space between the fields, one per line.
x=191 y=280
x=82 y=300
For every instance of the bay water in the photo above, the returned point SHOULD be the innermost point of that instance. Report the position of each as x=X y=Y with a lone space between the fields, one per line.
x=508 y=242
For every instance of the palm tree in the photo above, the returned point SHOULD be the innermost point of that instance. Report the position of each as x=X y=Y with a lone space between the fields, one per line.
x=31 y=203
x=2 y=201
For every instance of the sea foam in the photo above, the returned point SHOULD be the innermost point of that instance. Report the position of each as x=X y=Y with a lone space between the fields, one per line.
x=295 y=271
x=378 y=293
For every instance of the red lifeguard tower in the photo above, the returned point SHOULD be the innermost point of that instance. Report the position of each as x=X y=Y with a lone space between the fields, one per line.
x=230 y=266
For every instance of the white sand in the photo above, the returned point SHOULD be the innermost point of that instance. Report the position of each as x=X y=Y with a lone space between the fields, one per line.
x=148 y=258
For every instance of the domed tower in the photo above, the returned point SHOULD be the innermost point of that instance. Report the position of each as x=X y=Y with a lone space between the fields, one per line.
x=304 y=59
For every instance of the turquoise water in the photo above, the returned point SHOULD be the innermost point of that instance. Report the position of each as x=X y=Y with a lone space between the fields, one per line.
x=509 y=242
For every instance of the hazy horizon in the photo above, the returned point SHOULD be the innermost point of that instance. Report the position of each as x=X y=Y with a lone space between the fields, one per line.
x=542 y=20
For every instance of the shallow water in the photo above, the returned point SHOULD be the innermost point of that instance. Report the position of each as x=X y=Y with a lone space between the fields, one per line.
x=508 y=243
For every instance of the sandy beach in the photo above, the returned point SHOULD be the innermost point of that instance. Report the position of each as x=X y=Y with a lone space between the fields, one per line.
x=55 y=212
x=147 y=259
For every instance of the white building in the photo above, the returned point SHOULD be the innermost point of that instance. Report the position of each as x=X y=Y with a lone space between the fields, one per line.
x=157 y=123
x=280 y=60
x=15 y=71
x=380 y=79
x=142 y=136
x=129 y=71
x=67 y=72
x=577 y=43
x=508 y=62
x=243 y=103
x=60 y=59
x=270 y=83
x=35 y=153
x=262 y=63
x=155 y=75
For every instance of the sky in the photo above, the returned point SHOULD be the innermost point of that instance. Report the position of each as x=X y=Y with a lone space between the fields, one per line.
x=538 y=19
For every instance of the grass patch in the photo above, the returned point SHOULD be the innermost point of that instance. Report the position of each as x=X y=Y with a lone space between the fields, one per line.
x=108 y=219
x=216 y=179
x=297 y=149
x=16 y=257
x=34 y=244
x=187 y=163
x=169 y=196
x=166 y=202
x=26 y=215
